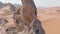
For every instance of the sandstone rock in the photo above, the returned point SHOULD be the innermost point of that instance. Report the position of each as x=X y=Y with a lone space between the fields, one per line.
x=28 y=11
x=11 y=30
x=7 y=9
x=17 y=20
x=27 y=18
x=1 y=5
x=3 y=21
x=36 y=27
x=12 y=7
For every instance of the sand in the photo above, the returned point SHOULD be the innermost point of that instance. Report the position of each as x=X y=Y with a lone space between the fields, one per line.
x=50 y=21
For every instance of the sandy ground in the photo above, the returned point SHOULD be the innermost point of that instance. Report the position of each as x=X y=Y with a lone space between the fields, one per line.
x=50 y=22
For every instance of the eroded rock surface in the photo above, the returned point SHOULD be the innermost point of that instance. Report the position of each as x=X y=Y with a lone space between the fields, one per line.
x=27 y=18
x=23 y=21
x=3 y=21
x=28 y=11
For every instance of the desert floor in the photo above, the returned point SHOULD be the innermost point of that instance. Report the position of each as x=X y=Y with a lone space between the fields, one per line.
x=50 y=21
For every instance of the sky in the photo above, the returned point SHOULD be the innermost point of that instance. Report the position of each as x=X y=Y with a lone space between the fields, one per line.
x=38 y=3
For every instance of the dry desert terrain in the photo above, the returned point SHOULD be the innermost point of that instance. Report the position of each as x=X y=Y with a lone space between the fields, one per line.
x=50 y=18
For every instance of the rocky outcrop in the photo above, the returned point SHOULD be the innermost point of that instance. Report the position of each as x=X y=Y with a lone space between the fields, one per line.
x=8 y=9
x=26 y=19
x=28 y=11
x=12 y=7
x=11 y=30
x=29 y=16
x=3 y=21
x=1 y=5
x=6 y=18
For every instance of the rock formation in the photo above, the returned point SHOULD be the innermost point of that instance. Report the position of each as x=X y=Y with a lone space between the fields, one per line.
x=26 y=18
x=28 y=11
x=11 y=30
x=1 y=5
x=3 y=21
x=6 y=14
x=7 y=9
